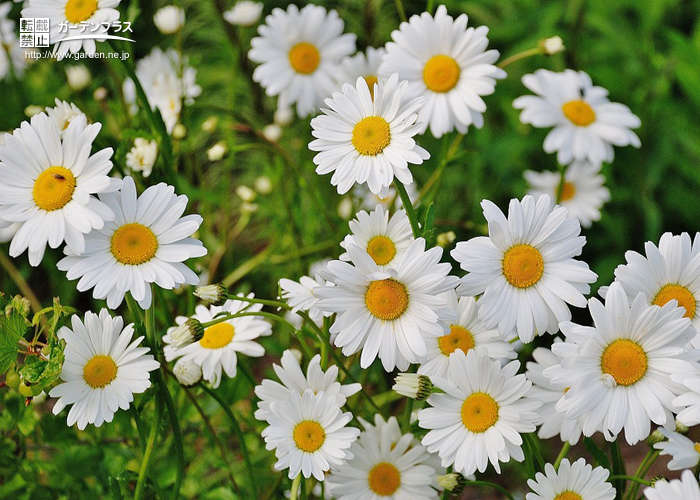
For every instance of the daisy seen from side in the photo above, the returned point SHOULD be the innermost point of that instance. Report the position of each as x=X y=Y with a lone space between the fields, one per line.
x=104 y=367
x=217 y=351
x=586 y=125
x=685 y=488
x=526 y=267
x=481 y=414
x=685 y=453
x=448 y=64
x=368 y=140
x=147 y=242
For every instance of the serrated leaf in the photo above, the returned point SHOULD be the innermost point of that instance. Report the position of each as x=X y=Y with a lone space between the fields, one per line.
x=38 y=371
x=12 y=328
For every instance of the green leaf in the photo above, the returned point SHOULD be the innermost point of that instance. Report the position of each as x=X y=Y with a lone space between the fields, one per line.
x=599 y=455
x=38 y=371
x=13 y=326
x=618 y=465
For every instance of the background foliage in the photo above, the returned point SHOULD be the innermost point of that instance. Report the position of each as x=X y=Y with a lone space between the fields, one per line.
x=645 y=53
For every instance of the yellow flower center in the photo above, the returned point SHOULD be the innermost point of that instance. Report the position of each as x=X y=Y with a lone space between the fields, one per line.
x=441 y=73
x=381 y=249
x=697 y=448
x=523 y=266
x=579 y=113
x=681 y=294
x=479 y=412
x=371 y=80
x=304 y=58
x=458 y=338
x=625 y=360
x=309 y=436
x=386 y=299
x=134 y=244
x=78 y=11
x=99 y=371
x=568 y=191
x=217 y=336
x=568 y=495
x=371 y=135
x=384 y=479
x=54 y=188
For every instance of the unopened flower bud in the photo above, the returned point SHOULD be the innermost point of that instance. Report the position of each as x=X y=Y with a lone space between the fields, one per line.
x=216 y=294
x=210 y=124
x=169 y=19
x=552 y=45
x=32 y=110
x=656 y=479
x=263 y=185
x=453 y=482
x=100 y=94
x=217 y=151
x=681 y=428
x=187 y=333
x=444 y=239
x=284 y=116
x=272 y=132
x=179 y=132
x=187 y=372
x=245 y=193
x=655 y=437
x=414 y=386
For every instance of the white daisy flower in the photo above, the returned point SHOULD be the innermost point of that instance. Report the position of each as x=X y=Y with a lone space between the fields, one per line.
x=619 y=370
x=669 y=271
x=577 y=481
x=448 y=64
x=583 y=193
x=47 y=181
x=385 y=239
x=388 y=312
x=169 y=19
x=293 y=379
x=218 y=349
x=466 y=333
x=142 y=156
x=586 y=124
x=95 y=14
x=479 y=419
x=310 y=434
x=188 y=373
x=689 y=399
x=386 y=464
x=685 y=488
x=78 y=77
x=11 y=53
x=298 y=52
x=365 y=140
x=363 y=64
x=244 y=13
x=63 y=113
x=554 y=423
x=103 y=369
x=685 y=453
x=525 y=267
x=300 y=295
x=167 y=81
x=147 y=242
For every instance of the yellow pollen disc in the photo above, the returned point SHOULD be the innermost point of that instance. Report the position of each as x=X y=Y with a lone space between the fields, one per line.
x=441 y=73
x=371 y=80
x=78 y=11
x=568 y=495
x=522 y=266
x=568 y=191
x=697 y=447
x=625 y=360
x=681 y=294
x=371 y=135
x=479 y=412
x=304 y=58
x=53 y=189
x=217 y=336
x=134 y=244
x=579 y=113
x=309 y=436
x=99 y=371
x=386 y=299
x=458 y=338
x=381 y=249
x=384 y=479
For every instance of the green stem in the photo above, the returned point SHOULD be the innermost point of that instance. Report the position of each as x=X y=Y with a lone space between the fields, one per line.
x=491 y=485
x=239 y=434
x=252 y=300
x=408 y=206
x=21 y=283
x=630 y=478
x=295 y=487
x=147 y=454
x=642 y=470
x=177 y=432
x=520 y=55
x=226 y=317
x=400 y=10
x=562 y=454
x=562 y=181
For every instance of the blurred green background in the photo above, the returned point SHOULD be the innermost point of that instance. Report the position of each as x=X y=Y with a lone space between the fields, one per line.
x=645 y=53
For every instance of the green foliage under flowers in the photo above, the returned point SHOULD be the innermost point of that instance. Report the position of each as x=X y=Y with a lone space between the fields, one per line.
x=645 y=53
